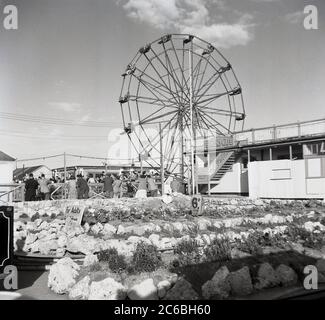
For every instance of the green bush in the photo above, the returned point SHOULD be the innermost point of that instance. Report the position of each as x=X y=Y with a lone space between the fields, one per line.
x=146 y=258
x=218 y=250
x=116 y=262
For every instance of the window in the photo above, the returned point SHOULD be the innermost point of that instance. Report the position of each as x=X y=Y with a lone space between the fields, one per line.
x=314 y=168
x=314 y=149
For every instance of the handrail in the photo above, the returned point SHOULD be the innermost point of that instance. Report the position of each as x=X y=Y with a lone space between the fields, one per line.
x=281 y=125
x=13 y=191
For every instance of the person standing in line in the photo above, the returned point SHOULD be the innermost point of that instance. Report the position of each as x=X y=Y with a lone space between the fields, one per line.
x=72 y=188
x=44 y=187
x=117 y=187
x=175 y=185
x=108 y=186
x=124 y=186
x=91 y=178
x=82 y=188
x=142 y=187
x=152 y=186
x=31 y=187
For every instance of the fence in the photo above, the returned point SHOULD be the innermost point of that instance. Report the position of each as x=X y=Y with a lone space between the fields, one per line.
x=298 y=129
x=12 y=192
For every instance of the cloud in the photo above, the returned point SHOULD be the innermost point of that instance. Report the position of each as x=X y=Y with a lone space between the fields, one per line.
x=65 y=106
x=191 y=16
x=222 y=35
x=295 y=17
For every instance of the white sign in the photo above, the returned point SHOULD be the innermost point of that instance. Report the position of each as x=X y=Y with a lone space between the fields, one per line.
x=196 y=204
x=74 y=215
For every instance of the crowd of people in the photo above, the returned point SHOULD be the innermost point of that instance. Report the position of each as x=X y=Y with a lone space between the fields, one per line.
x=138 y=185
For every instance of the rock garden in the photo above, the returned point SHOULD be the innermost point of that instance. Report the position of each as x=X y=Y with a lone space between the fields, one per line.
x=157 y=249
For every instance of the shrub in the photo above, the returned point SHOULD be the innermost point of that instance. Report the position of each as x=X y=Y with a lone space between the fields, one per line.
x=188 y=252
x=116 y=262
x=35 y=217
x=95 y=267
x=146 y=258
x=218 y=250
x=299 y=234
x=258 y=239
x=253 y=243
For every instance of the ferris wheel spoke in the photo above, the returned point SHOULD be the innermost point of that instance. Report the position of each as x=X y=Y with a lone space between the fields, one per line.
x=171 y=153
x=181 y=87
x=150 y=118
x=161 y=78
x=153 y=101
x=159 y=85
x=167 y=63
x=171 y=133
x=212 y=98
x=154 y=89
x=215 y=122
x=175 y=81
x=208 y=126
x=154 y=94
x=205 y=105
x=220 y=111
x=181 y=67
x=203 y=74
x=209 y=85
x=152 y=142
x=172 y=71
x=198 y=74
x=200 y=126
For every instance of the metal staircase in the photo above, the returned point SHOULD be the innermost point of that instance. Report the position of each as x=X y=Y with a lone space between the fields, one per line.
x=224 y=166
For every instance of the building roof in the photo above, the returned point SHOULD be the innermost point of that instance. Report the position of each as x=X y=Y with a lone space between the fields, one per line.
x=109 y=167
x=5 y=157
x=20 y=173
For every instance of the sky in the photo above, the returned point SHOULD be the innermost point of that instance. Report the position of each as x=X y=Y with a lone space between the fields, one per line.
x=66 y=58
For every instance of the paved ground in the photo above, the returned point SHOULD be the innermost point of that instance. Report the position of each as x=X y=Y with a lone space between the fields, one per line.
x=33 y=285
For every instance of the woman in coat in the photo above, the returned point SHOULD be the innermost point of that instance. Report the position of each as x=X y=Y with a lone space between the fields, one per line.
x=116 y=187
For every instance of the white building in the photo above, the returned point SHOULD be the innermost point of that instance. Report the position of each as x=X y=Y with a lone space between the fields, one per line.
x=7 y=166
x=286 y=161
x=20 y=173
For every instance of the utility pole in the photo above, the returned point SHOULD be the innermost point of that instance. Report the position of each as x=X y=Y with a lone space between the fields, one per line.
x=191 y=119
x=162 y=172
x=141 y=167
x=182 y=152
x=65 y=166
x=65 y=172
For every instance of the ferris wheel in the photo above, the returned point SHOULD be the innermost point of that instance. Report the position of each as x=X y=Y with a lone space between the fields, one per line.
x=176 y=90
